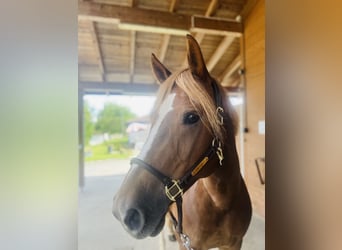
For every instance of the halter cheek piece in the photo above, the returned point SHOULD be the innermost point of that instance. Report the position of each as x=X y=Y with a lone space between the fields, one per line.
x=174 y=189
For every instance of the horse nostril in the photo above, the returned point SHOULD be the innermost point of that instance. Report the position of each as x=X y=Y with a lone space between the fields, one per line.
x=134 y=220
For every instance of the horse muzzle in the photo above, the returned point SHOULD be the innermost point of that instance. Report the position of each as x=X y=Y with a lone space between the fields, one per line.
x=133 y=220
x=140 y=207
x=137 y=222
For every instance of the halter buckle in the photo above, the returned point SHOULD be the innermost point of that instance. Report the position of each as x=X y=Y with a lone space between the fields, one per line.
x=173 y=191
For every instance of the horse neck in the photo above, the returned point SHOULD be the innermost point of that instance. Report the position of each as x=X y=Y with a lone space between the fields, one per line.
x=224 y=184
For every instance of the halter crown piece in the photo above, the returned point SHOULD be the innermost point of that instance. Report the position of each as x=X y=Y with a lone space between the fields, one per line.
x=174 y=189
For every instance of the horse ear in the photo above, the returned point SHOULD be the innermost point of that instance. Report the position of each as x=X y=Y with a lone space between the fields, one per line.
x=195 y=59
x=160 y=72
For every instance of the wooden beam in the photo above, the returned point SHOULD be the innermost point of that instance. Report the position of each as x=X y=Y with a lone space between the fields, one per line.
x=225 y=43
x=133 y=3
x=132 y=61
x=156 y=21
x=81 y=145
x=216 y=26
x=236 y=63
x=133 y=16
x=98 y=52
x=118 y=88
x=125 y=88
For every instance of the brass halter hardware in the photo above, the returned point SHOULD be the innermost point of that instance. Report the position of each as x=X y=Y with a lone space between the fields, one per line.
x=216 y=143
x=219 y=112
x=173 y=191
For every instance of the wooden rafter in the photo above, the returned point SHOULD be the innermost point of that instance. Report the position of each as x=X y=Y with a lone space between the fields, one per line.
x=211 y=8
x=97 y=47
x=164 y=46
x=173 y=5
x=156 y=21
x=132 y=61
x=236 y=63
x=166 y=38
x=225 y=43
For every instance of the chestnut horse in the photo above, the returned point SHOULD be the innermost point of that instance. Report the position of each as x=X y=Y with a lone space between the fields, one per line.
x=188 y=166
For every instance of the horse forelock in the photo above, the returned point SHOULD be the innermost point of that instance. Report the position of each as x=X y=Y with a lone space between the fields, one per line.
x=200 y=99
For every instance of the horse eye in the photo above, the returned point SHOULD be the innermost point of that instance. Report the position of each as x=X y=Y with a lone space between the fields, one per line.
x=190 y=118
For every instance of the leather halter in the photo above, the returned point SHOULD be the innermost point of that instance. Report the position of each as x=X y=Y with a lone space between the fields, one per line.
x=174 y=189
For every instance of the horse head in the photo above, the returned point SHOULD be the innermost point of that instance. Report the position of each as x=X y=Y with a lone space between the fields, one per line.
x=184 y=122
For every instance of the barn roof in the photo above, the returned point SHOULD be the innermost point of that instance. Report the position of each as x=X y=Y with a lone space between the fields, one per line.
x=116 y=39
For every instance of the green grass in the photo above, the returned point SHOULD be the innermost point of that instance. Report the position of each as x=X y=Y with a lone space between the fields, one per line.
x=100 y=152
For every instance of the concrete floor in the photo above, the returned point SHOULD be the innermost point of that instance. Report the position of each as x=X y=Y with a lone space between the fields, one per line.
x=99 y=230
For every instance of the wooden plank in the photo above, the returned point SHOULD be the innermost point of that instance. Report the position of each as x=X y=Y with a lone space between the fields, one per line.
x=156 y=21
x=118 y=88
x=112 y=77
x=126 y=88
x=133 y=16
x=132 y=56
x=98 y=52
x=225 y=43
x=236 y=63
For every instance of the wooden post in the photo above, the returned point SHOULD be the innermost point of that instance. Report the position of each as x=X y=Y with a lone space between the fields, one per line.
x=80 y=140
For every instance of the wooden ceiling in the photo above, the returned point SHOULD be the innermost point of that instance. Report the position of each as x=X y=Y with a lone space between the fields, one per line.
x=116 y=39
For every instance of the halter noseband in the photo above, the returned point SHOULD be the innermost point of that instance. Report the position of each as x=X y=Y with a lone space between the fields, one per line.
x=174 y=189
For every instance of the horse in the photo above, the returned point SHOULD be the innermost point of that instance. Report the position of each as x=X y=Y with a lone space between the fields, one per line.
x=188 y=167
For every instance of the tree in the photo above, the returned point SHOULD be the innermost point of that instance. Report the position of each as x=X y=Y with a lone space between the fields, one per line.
x=112 y=118
x=88 y=123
